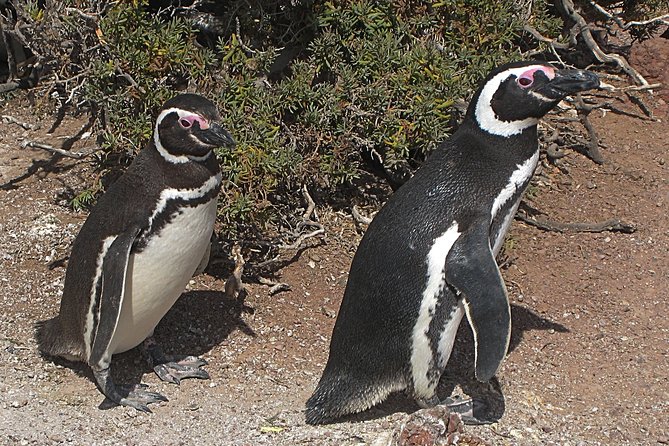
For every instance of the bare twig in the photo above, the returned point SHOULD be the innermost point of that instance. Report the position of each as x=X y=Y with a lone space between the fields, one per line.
x=358 y=217
x=234 y=284
x=306 y=221
x=584 y=30
x=50 y=148
x=592 y=146
x=609 y=87
x=275 y=287
x=13 y=120
x=130 y=79
x=8 y=86
x=660 y=19
x=639 y=102
x=311 y=204
x=297 y=243
x=609 y=15
x=537 y=35
x=613 y=225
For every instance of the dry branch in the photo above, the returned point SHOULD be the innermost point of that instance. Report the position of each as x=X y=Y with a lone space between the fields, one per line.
x=612 y=225
x=592 y=145
x=359 y=218
x=13 y=120
x=234 y=285
x=584 y=30
x=50 y=148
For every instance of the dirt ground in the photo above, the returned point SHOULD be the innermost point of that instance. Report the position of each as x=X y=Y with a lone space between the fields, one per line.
x=589 y=357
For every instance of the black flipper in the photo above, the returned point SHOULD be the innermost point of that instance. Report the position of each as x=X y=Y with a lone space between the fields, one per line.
x=114 y=267
x=472 y=270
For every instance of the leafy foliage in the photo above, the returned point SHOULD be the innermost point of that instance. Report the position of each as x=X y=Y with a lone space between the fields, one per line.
x=313 y=91
x=146 y=60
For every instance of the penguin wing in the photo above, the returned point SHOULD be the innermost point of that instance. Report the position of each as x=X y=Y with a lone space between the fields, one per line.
x=472 y=270
x=114 y=272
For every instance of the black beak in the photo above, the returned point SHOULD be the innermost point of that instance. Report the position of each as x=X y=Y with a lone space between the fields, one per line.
x=215 y=136
x=567 y=82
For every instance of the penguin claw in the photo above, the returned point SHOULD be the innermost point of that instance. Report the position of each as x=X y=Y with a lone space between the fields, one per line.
x=188 y=367
x=469 y=409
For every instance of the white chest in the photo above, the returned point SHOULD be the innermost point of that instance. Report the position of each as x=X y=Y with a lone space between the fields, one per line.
x=516 y=181
x=158 y=275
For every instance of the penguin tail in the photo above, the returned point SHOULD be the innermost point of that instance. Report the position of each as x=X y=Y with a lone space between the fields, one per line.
x=51 y=340
x=340 y=394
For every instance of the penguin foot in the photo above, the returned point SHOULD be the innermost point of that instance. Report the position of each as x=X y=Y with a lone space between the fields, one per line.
x=175 y=371
x=471 y=410
x=133 y=395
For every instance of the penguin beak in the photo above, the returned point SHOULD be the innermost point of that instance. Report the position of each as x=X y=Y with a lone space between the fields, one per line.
x=567 y=82
x=216 y=136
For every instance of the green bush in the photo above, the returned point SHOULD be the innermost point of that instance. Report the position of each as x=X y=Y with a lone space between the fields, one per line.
x=313 y=92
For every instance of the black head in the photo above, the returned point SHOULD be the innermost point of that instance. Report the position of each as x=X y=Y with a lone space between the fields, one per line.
x=515 y=96
x=187 y=129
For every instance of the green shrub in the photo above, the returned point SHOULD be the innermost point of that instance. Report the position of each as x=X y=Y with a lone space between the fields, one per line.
x=312 y=91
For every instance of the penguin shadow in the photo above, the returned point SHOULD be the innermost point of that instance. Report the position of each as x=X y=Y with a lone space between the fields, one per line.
x=489 y=402
x=460 y=368
x=196 y=323
x=52 y=165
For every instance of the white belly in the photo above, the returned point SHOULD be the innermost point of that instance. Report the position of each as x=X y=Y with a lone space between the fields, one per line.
x=159 y=274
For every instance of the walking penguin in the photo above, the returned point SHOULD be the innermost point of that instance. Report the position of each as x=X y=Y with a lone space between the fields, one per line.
x=138 y=249
x=428 y=257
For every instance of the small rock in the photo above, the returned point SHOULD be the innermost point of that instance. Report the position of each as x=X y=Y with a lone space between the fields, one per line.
x=328 y=312
x=57 y=438
x=18 y=403
x=435 y=426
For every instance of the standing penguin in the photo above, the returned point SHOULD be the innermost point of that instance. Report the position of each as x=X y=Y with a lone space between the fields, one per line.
x=138 y=249
x=428 y=257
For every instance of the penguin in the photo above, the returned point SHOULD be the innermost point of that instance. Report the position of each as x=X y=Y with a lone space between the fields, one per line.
x=427 y=260
x=137 y=250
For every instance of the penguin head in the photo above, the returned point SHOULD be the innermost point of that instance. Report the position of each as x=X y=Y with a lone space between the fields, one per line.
x=187 y=129
x=515 y=96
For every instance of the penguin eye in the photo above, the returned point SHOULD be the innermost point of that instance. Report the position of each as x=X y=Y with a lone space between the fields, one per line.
x=185 y=123
x=525 y=82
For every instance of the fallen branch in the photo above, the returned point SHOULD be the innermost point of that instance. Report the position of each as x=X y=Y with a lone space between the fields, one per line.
x=541 y=38
x=584 y=31
x=50 y=148
x=609 y=87
x=275 y=287
x=296 y=244
x=234 y=285
x=612 y=225
x=13 y=120
x=359 y=218
x=592 y=145
x=306 y=221
x=8 y=86
x=639 y=102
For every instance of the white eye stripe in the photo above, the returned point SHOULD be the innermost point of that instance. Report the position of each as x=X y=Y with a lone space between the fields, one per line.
x=485 y=115
x=182 y=114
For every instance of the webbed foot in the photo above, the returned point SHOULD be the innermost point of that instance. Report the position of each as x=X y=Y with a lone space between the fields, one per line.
x=175 y=371
x=472 y=411
x=172 y=369
x=132 y=395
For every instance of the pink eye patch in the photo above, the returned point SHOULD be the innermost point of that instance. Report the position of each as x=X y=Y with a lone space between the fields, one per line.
x=187 y=121
x=527 y=77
